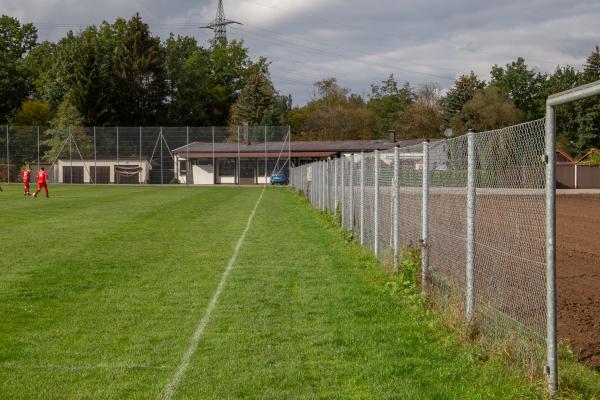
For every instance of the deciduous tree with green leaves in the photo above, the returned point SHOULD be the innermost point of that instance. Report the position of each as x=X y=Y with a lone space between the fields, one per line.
x=16 y=41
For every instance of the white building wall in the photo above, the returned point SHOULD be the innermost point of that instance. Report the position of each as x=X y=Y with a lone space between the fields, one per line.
x=144 y=175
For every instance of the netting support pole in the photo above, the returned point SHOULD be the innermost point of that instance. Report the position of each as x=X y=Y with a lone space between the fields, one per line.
x=266 y=160
x=187 y=155
x=362 y=198
x=161 y=157
x=118 y=176
x=396 y=195
x=289 y=149
x=470 y=273
x=96 y=160
x=351 y=202
x=70 y=155
x=376 y=204
x=38 y=148
x=552 y=346
x=7 y=157
x=142 y=178
x=213 y=156
x=425 y=220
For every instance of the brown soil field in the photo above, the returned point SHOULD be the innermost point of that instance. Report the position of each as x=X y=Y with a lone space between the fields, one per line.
x=578 y=274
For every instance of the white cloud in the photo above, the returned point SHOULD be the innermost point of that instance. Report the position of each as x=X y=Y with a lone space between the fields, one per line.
x=359 y=42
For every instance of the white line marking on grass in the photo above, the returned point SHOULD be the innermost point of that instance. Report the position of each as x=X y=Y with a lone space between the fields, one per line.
x=187 y=356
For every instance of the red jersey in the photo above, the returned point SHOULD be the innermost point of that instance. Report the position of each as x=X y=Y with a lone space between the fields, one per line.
x=42 y=176
x=26 y=175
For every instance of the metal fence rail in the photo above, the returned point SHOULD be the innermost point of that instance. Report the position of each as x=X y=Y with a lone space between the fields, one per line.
x=474 y=204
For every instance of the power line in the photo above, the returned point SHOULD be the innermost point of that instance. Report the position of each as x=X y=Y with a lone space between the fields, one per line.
x=384 y=34
x=335 y=54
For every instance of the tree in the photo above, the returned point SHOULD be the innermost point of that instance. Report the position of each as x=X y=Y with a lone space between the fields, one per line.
x=423 y=118
x=67 y=122
x=37 y=63
x=488 y=109
x=333 y=115
x=140 y=78
x=229 y=67
x=177 y=51
x=87 y=93
x=255 y=99
x=587 y=120
x=461 y=92
x=16 y=41
x=523 y=86
x=386 y=104
x=32 y=113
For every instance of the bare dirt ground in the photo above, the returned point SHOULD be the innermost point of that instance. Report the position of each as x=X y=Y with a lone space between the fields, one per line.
x=578 y=274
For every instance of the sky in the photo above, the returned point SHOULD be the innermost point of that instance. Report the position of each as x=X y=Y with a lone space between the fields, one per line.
x=359 y=42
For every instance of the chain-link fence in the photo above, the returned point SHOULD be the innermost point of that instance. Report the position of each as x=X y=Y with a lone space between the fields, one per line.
x=474 y=204
x=155 y=155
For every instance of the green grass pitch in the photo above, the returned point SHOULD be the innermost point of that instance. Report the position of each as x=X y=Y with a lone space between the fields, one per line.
x=102 y=288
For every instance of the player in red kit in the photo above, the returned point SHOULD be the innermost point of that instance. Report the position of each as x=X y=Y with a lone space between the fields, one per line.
x=42 y=178
x=26 y=175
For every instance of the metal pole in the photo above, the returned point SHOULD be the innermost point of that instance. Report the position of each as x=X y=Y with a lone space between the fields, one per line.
x=213 y=157
x=425 y=219
x=187 y=155
x=71 y=154
x=237 y=180
x=471 y=168
x=142 y=178
x=362 y=198
x=161 y=157
x=376 y=205
x=552 y=367
x=7 y=157
x=118 y=146
x=38 y=148
x=265 y=154
x=396 y=194
x=289 y=148
x=343 y=185
x=351 y=179
x=335 y=185
x=95 y=160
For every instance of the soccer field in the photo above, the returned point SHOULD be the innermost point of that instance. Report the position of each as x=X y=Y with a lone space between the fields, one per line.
x=140 y=292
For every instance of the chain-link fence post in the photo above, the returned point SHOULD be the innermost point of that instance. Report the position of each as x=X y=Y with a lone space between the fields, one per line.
x=343 y=193
x=362 y=198
x=376 y=204
x=324 y=180
x=319 y=186
x=425 y=220
x=551 y=325
x=396 y=195
x=335 y=185
x=326 y=194
x=470 y=273
x=351 y=202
